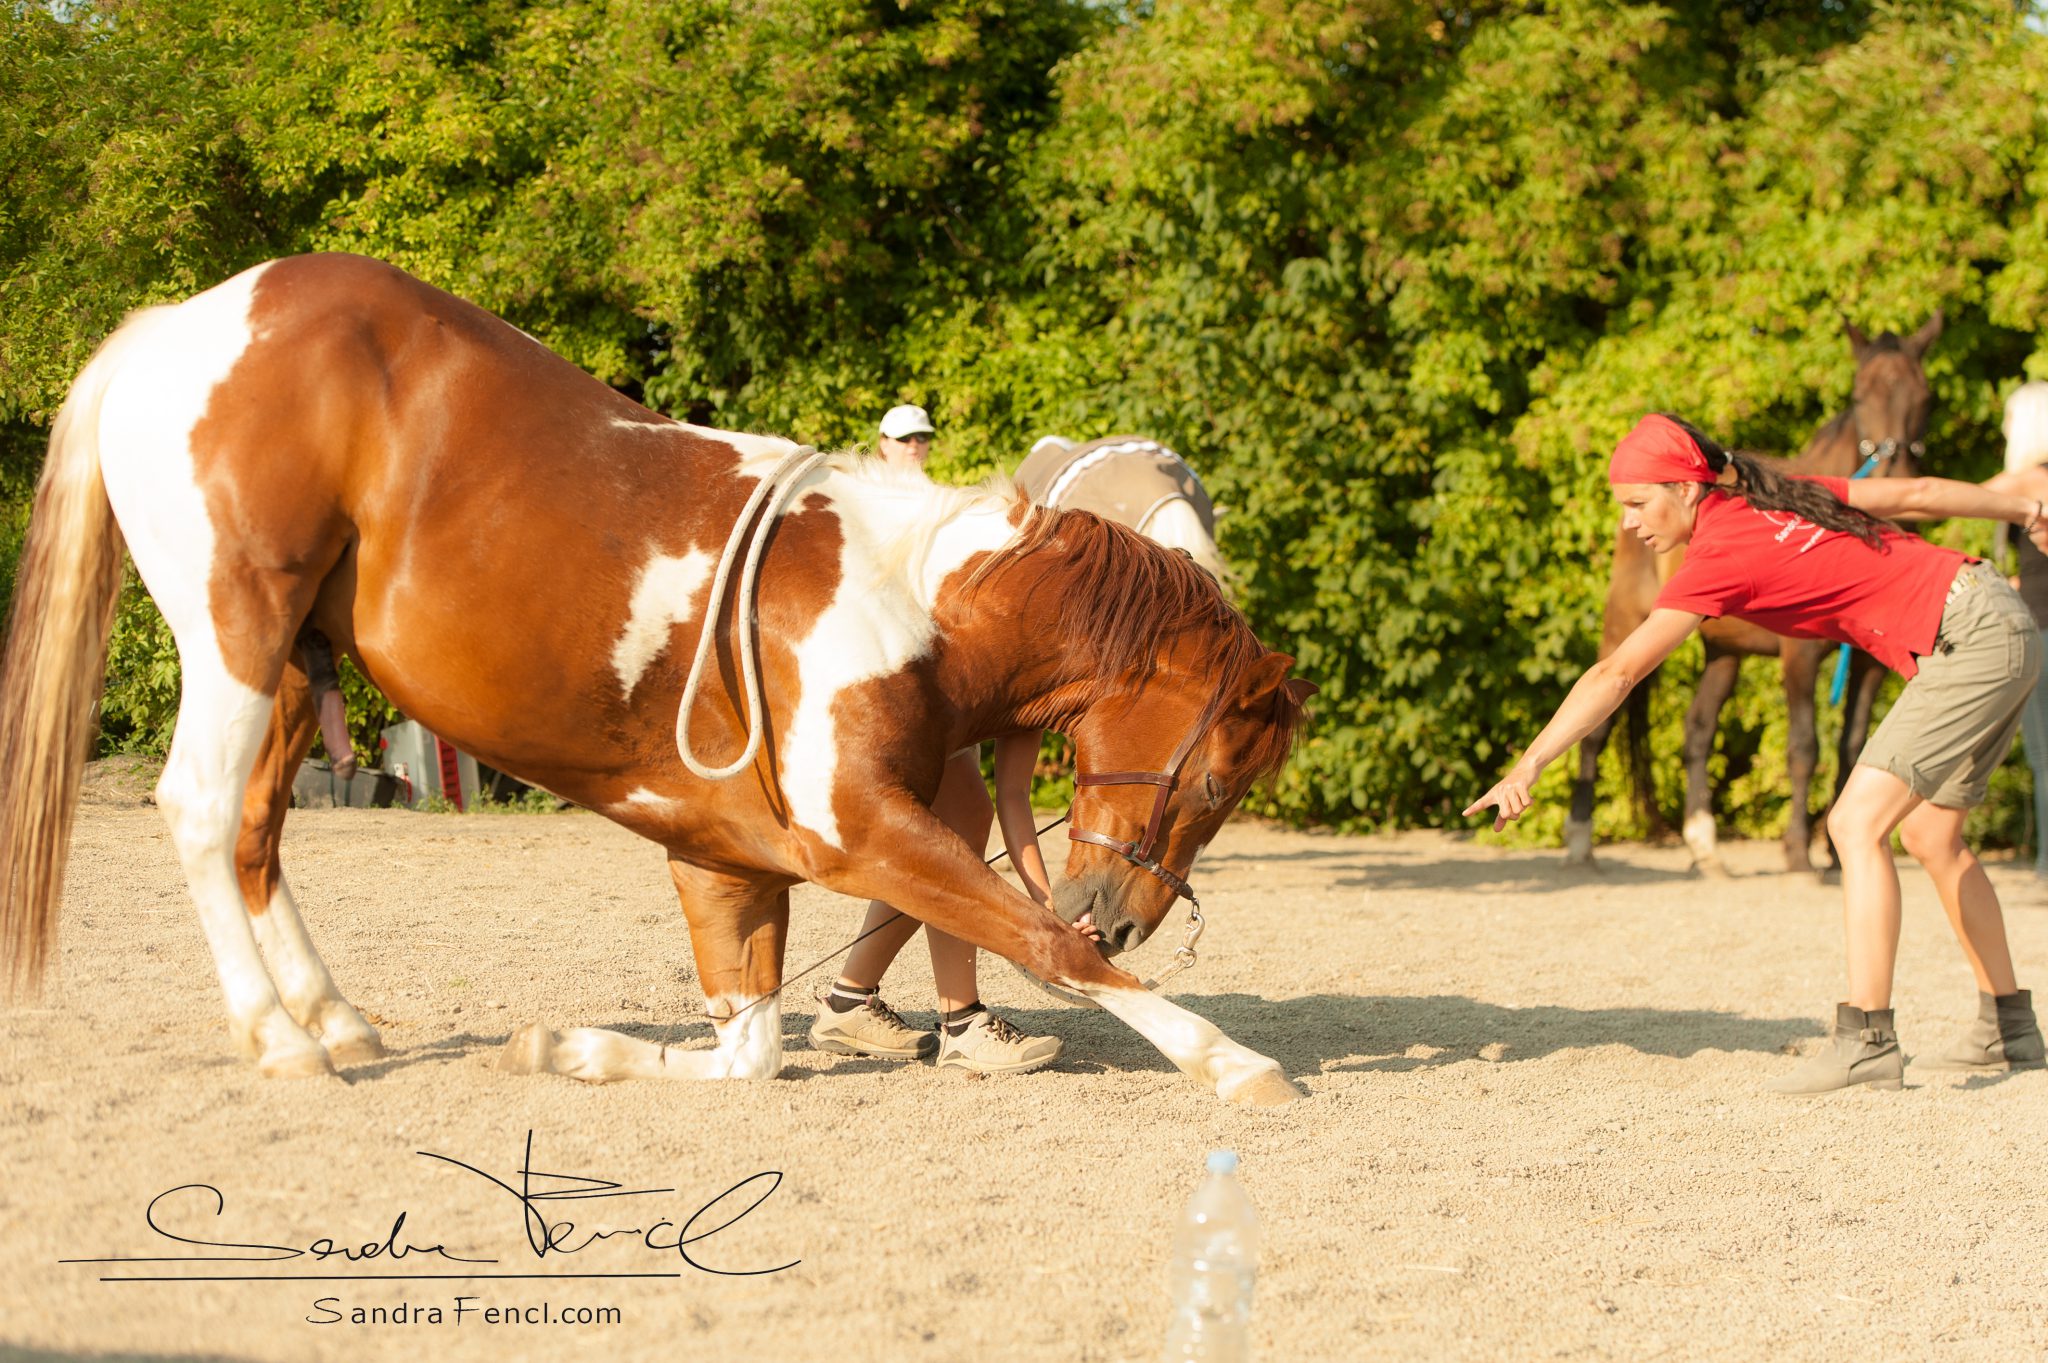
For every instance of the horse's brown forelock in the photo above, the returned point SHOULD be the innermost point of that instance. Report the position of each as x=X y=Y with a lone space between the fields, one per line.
x=1125 y=598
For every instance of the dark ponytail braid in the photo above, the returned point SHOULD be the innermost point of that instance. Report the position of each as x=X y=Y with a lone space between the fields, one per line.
x=1766 y=489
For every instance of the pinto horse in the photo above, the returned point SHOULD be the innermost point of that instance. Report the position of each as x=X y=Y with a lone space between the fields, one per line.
x=522 y=559
x=1879 y=436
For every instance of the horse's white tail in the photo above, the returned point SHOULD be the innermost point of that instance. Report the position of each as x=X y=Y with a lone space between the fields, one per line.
x=1175 y=525
x=64 y=599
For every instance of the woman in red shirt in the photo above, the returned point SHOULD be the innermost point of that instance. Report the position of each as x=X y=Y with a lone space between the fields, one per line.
x=1814 y=558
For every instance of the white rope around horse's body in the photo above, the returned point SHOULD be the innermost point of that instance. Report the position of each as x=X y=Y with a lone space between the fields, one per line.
x=776 y=490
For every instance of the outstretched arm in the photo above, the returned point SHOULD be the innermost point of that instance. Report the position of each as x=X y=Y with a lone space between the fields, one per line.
x=1594 y=697
x=1016 y=755
x=2009 y=497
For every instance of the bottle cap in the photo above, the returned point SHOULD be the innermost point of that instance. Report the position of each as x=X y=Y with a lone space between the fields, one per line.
x=1222 y=1161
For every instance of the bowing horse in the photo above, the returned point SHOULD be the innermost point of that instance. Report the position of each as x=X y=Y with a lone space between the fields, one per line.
x=604 y=602
x=1880 y=436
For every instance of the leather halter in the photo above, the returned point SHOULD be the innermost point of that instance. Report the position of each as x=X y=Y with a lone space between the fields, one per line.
x=1139 y=853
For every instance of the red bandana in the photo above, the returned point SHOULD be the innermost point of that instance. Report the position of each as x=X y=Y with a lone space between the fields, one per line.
x=1658 y=451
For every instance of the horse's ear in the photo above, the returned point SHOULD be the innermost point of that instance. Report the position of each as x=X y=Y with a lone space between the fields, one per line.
x=1267 y=676
x=1263 y=679
x=1858 y=342
x=1916 y=344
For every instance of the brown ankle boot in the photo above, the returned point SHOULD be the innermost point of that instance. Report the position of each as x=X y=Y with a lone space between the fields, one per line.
x=1863 y=1050
x=2005 y=1037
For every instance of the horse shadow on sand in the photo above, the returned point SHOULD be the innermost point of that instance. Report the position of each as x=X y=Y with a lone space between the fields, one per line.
x=1398 y=1034
x=1310 y=1034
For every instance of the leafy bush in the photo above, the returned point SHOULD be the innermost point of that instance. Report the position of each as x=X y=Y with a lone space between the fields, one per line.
x=1394 y=277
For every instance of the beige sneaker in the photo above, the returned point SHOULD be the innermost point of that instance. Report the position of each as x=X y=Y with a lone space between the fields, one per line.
x=992 y=1046
x=874 y=1029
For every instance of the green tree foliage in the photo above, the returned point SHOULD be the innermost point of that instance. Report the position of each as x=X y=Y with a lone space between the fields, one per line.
x=1394 y=276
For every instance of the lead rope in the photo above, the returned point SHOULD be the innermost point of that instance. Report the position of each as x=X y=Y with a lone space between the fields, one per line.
x=837 y=952
x=776 y=489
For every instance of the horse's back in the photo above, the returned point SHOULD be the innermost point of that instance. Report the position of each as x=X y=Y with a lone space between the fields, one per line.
x=461 y=499
x=1123 y=478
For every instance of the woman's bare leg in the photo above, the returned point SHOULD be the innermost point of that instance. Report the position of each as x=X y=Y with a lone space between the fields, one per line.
x=1934 y=835
x=962 y=804
x=1870 y=806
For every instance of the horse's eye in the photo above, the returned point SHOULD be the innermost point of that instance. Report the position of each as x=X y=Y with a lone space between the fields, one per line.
x=1212 y=792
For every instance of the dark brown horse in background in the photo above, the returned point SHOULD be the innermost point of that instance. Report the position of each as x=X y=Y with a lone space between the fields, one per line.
x=1880 y=436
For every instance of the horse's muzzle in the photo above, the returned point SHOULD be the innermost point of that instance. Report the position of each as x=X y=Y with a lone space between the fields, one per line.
x=1096 y=896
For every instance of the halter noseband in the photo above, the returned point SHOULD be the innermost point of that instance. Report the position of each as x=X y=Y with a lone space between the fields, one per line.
x=1877 y=453
x=1139 y=853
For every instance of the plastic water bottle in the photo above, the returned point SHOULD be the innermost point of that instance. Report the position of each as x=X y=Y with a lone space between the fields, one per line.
x=1215 y=1257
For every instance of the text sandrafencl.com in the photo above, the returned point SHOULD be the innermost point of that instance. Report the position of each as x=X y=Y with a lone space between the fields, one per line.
x=459 y=1311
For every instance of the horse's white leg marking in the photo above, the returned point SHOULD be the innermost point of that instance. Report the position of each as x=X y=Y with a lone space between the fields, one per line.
x=221 y=724
x=1578 y=842
x=665 y=596
x=1699 y=835
x=170 y=365
x=307 y=990
x=749 y=1047
x=1237 y=1073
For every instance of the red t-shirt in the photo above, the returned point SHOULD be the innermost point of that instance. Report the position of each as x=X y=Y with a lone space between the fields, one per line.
x=1796 y=579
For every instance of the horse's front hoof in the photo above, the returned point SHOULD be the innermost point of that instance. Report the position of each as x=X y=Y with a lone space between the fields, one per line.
x=1268 y=1088
x=1711 y=869
x=530 y=1050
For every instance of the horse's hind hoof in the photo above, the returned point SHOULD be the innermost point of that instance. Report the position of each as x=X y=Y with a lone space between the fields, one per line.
x=1269 y=1088
x=357 y=1050
x=530 y=1050
x=309 y=1063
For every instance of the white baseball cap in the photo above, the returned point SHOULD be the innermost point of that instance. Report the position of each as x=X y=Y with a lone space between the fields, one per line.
x=906 y=420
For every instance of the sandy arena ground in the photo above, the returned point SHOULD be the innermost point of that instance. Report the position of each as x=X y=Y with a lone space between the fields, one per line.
x=1535 y=1126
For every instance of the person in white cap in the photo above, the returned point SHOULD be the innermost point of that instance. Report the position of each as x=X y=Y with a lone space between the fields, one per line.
x=852 y=1018
x=906 y=436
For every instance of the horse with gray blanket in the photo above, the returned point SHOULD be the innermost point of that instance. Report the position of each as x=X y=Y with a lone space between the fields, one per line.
x=1131 y=480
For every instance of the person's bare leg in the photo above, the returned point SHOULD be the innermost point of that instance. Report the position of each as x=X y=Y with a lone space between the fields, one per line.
x=1863 y=1048
x=872 y=955
x=1934 y=835
x=1870 y=806
x=962 y=804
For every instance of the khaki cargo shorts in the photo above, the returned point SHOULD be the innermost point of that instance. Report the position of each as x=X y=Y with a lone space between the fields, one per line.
x=1955 y=721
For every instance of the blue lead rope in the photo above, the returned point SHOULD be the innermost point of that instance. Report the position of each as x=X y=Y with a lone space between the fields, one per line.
x=1840 y=686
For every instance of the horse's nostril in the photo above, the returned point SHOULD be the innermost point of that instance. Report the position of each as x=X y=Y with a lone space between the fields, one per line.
x=1125 y=936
